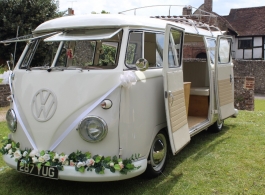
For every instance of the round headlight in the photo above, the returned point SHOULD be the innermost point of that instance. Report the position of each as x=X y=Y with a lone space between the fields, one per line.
x=93 y=129
x=11 y=120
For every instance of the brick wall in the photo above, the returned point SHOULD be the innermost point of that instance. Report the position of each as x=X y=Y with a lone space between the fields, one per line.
x=191 y=50
x=208 y=5
x=252 y=68
x=4 y=92
x=244 y=93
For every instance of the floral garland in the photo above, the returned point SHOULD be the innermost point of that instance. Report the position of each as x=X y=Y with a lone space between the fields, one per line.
x=81 y=161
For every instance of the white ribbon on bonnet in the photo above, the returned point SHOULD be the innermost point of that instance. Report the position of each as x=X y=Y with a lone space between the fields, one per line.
x=126 y=80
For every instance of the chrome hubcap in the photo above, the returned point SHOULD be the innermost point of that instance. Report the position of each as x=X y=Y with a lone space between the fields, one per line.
x=158 y=152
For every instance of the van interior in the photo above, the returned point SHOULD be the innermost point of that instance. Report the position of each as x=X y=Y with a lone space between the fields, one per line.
x=196 y=76
x=195 y=69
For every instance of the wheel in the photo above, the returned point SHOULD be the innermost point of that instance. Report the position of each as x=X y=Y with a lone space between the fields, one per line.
x=217 y=126
x=157 y=156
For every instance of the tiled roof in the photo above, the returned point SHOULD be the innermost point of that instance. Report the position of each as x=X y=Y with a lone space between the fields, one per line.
x=247 y=21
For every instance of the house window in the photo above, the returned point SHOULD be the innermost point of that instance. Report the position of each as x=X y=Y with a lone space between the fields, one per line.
x=245 y=44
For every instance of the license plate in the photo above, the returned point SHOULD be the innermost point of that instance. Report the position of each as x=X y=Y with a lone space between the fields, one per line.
x=44 y=171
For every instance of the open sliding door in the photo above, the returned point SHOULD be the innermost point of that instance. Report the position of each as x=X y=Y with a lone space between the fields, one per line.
x=224 y=77
x=177 y=123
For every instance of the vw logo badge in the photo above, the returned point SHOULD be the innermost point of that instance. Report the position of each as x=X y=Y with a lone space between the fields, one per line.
x=44 y=105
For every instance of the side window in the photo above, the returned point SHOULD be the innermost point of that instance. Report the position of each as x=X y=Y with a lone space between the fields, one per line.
x=146 y=45
x=174 y=50
x=134 y=48
x=224 y=51
x=211 y=43
x=159 y=49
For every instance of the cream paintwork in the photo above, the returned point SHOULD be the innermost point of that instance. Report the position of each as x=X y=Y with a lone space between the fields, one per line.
x=224 y=72
x=142 y=112
x=173 y=82
x=136 y=116
x=79 y=97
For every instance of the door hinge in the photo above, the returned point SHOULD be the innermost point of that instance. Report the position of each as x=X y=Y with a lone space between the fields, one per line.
x=165 y=94
x=120 y=151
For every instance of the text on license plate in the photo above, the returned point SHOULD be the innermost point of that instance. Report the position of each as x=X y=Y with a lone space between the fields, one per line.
x=44 y=171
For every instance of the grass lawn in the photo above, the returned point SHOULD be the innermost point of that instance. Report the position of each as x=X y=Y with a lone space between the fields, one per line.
x=229 y=162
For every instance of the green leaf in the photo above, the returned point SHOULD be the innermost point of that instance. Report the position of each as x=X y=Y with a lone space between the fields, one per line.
x=38 y=165
x=130 y=166
x=60 y=168
x=21 y=163
x=88 y=155
x=107 y=159
x=100 y=170
x=98 y=159
x=48 y=164
x=117 y=167
x=81 y=169
x=52 y=154
x=42 y=152
x=124 y=171
x=112 y=169
x=13 y=145
x=115 y=159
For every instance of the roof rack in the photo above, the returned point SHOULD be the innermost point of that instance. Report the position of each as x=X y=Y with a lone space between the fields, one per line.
x=199 y=14
x=193 y=23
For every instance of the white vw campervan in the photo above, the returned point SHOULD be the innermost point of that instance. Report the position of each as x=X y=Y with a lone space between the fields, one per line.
x=105 y=97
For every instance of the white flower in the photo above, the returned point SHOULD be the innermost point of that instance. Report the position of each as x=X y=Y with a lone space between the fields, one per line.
x=111 y=164
x=121 y=165
x=8 y=146
x=46 y=157
x=34 y=153
x=35 y=159
x=17 y=154
x=90 y=162
x=41 y=159
x=56 y=156
x=63 y=158
x=10 y=151
x=80 y=164
x=25 y=153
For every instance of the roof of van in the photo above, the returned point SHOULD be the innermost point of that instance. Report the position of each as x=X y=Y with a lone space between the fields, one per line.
x=111 y=21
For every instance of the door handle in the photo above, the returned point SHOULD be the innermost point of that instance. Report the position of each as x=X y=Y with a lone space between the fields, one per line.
x=231 y=78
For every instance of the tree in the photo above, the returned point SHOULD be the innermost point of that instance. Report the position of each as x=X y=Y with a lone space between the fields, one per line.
x=27 y=14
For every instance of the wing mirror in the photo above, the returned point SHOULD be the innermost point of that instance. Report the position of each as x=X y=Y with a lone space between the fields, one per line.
x=142 y=64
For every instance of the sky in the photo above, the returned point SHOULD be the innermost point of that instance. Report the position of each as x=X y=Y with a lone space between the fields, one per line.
x=83 y=7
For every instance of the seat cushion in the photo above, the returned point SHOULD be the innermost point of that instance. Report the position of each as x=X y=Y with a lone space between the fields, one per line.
x=203 y=91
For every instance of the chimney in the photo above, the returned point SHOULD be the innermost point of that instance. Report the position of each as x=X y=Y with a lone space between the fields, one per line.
x=187 y=10
x=70 y=12
x=208 y=5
